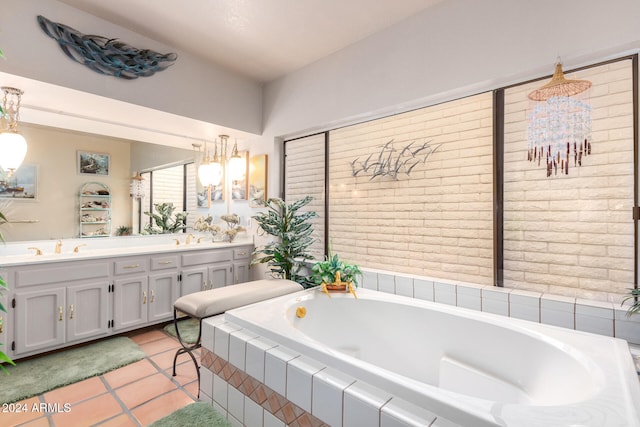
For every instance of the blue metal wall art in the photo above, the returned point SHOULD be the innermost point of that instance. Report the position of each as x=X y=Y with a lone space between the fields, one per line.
x=106 y=56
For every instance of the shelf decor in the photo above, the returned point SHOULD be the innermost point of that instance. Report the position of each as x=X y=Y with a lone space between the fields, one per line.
x=95 y=210
x=559 y=130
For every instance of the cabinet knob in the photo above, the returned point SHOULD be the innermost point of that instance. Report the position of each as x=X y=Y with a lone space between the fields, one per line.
x=60 y=313
x=132 y=266
x=71 y=311
x=144 y=297
x=153 y=296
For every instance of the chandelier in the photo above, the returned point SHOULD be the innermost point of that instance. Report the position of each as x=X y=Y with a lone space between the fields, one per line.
x=13 y=146
x=559 y=130
x=136 y=188
x=211 y=169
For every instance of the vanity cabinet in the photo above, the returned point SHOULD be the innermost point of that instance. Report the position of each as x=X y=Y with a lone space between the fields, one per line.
x=164 y=287
x=241 y=262
x=58 y=315
x=55 y=304
x=204 y=271
x=3 y=316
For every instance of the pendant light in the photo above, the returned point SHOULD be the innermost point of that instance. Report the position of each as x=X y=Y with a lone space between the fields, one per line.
x=13 y=146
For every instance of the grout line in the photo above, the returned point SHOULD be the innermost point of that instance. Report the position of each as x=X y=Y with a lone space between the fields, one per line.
x=110 y=390
x=124 y=407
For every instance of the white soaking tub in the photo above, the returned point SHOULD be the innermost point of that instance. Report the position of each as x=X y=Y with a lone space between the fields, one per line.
x=472 y=368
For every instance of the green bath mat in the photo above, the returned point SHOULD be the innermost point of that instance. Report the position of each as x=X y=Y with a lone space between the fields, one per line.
x=189 y=329
x=197 y=414
x=41 y=374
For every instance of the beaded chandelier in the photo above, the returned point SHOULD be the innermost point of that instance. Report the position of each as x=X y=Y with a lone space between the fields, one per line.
x=559 y=131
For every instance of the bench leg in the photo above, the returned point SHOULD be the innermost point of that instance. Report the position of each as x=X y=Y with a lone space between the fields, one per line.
x=187 y=348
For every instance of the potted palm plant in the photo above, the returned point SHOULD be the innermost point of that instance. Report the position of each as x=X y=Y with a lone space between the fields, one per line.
x=634 y=308
x=287 y=254
x=3 y=287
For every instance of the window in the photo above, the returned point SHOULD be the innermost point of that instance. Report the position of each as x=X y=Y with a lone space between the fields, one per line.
x=304 y=176
x=572 y=235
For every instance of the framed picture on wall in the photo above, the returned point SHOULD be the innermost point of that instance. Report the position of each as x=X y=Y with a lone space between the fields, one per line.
x=93 y=163
x=23 y=185
x=257 y=180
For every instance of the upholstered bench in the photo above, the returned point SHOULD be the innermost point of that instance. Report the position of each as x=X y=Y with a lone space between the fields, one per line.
x=200 y=305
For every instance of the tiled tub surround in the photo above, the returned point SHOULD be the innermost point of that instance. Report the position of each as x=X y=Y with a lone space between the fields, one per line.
x=566 y=372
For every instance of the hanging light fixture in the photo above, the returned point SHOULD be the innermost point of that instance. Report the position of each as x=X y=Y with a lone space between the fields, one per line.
x=136 y=188
x=559 y=131
x=210 y=170
x=237 y=166
x=13 y=146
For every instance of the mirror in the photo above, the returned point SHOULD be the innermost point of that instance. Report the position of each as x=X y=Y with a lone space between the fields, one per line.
x=53 y=156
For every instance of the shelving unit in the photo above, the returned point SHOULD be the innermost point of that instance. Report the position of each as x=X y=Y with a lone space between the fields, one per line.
x=95 y=210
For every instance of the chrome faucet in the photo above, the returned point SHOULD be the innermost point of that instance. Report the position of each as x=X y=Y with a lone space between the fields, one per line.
x=58 y=246
x=189 y=237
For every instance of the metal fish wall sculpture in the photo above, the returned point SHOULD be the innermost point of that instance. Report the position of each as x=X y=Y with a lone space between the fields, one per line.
x=391 y=162
x=106 y=56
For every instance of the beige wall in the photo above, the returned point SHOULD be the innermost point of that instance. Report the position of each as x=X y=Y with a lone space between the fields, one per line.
x=56 y=212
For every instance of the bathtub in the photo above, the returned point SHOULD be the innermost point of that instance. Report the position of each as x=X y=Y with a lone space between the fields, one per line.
x=472 y=368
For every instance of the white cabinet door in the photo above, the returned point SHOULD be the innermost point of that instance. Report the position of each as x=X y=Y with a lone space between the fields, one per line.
x=193 y=280
x=130 y=299
x=240 y=272
x=87 y=311
x=163 y=292
x=220 y=275
x=40 y=319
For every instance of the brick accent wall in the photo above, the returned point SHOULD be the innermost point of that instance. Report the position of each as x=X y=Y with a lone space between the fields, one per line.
x=435 y=222
x=573 y=235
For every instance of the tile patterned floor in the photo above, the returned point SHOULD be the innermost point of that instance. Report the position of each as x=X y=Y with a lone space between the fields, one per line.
x=135 y=395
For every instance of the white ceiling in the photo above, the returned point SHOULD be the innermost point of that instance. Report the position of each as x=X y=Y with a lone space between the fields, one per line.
x=262 y=39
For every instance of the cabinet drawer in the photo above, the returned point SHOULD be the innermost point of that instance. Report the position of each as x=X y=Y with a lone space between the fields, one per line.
x=131 y=265
x=31 y=276
x=206 y=257
x=242 y=253
x=164 y=262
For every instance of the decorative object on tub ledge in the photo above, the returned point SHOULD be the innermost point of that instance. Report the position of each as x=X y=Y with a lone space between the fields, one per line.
x=205 y=225
x=287 y=254
x=165 y=222
x=391 y=162
x=559 y=123
x=233 y=227
x=104 y=55
x=334 y=275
